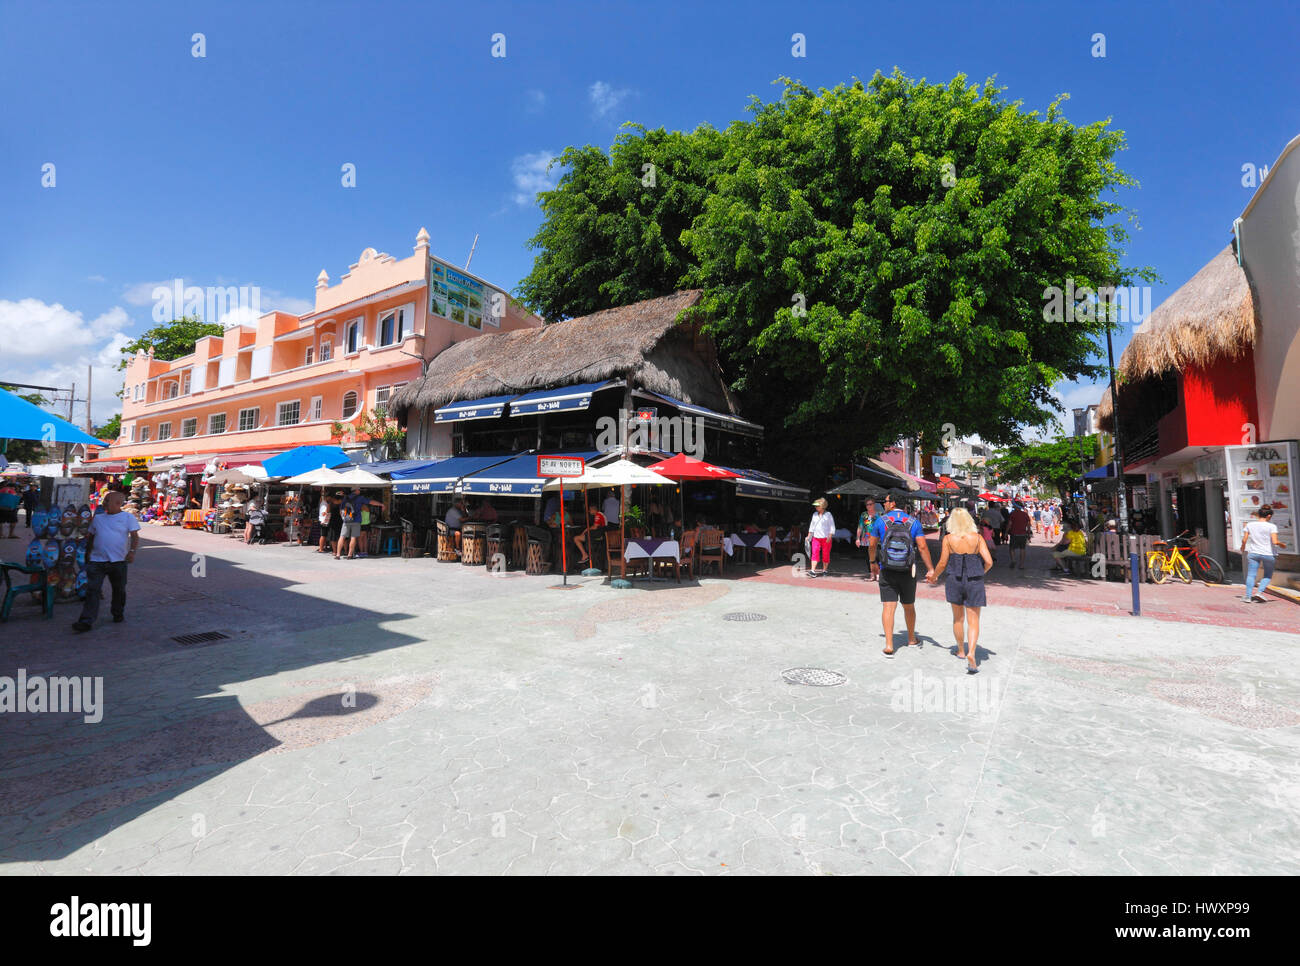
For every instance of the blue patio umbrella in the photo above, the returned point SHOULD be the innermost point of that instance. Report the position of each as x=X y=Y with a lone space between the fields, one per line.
x=301 y=459
x=19 y=419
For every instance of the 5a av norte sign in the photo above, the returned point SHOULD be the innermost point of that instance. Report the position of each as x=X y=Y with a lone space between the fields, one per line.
x=560 y=466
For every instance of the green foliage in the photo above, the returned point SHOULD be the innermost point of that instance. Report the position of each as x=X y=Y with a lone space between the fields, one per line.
x=111 y=430
x=874 y=257
x=1047 y=466
x=170 y=340
x=377 y=427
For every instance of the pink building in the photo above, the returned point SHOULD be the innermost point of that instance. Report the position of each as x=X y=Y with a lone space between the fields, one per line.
x=281 y=382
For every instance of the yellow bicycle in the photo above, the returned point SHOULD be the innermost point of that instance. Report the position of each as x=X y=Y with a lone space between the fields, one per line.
x=1163 y=563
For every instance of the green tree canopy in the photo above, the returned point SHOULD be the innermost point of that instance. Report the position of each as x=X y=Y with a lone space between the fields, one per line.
x=171 y=340
x=1047 y=466
x=874 y=257
x=111 y=430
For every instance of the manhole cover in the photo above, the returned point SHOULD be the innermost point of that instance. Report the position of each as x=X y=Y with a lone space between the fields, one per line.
x=205 y=638
x=817 y=677
x=744 y=616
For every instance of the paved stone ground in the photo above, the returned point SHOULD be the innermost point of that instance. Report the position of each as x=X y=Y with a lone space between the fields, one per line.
x=405 y=716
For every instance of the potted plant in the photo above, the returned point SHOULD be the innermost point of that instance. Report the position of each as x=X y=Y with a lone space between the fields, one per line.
x=634 y=519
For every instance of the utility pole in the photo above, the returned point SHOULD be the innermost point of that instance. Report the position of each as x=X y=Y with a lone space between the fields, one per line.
x=90 y=372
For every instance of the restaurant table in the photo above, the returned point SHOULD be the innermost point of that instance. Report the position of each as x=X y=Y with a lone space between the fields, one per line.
x=747 y=542
x=652 y=549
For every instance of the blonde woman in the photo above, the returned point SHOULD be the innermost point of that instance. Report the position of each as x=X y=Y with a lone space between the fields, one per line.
x=964 y=590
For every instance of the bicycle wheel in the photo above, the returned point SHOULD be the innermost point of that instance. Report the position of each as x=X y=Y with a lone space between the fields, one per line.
x=1209 y=570
x=1157 y=567
x=1181 y=570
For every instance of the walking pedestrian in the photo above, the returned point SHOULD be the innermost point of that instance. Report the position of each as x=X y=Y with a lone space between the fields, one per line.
x=896 y=539
x=970 y=559
x=993 y=514
x=31 y=497
x=1019 y=526
x=111 y=543
x=866 y=520
x=9 y=500
x=821 y=528
x=350 y=510
x=1257 y=543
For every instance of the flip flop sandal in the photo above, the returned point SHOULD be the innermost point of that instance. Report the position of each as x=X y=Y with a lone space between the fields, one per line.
x=889 y=653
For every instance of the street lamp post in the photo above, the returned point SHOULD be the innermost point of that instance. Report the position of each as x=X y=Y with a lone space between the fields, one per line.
x=1117 y=456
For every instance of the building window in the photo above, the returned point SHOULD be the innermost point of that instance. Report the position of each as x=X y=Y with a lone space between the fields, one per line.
x=392 y=327
x=311 y=351
x=133 y=432
x=144 y=434
x=249 y=418
x=316 y=403
x=349 y=403
x=382 y=395
x=286 y=413
x=164 y=430
x=171 y=392
x=216 y=423
x=353 y=336
x=185 y=384
x=189 y=427
x=326 y=350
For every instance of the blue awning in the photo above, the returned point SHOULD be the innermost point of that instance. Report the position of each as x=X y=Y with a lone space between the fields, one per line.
x=735 y=423
x=1101 y=472
x=559 y=399
x=396 y=466
x=515 y=477
x=442 y=476
x=490 y=407
x=762 y=486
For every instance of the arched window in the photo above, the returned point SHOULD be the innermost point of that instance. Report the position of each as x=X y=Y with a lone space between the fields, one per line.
x=349 y=403
x=353 y=336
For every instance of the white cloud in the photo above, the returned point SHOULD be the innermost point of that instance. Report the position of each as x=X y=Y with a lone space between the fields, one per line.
x=96 y=278
x=605 y=99
x=272 y=300
x=49 y=345
x=141 y=293
x=534 y=101
x=530 y=175
x=30 y=328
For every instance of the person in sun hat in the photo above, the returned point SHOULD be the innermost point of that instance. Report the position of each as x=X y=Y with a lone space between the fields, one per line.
x=821 y=528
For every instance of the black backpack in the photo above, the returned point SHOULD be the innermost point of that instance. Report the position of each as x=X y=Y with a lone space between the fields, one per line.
x=898 y=549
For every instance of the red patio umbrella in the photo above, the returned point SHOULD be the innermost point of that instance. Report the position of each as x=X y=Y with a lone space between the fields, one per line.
x=682 y=467
x=990 y=496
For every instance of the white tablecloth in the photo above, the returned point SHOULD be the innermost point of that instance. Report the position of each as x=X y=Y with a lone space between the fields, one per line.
x=669 y=548
x=734 y=541
x=843 y=533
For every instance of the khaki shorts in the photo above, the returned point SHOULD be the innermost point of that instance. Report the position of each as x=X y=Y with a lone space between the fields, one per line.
x=352 y=529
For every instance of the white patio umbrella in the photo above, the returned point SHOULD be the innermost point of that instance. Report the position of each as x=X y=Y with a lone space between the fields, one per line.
x=356 y=476
x=619 y=473
x=321 y=477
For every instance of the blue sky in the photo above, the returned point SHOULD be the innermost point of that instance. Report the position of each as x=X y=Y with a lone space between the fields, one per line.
x=225 y=169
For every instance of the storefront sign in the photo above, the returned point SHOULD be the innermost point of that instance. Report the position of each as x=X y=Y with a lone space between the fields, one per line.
x=456 y=296
x=942 y=465
x=561 y=466
x=1264 y=474
x=138 y=464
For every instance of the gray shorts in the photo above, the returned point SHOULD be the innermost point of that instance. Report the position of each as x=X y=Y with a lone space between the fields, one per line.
x=352 y=529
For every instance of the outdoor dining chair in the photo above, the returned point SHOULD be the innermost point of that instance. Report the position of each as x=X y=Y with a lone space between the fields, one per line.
x=710 y=549
x=539 y=550
x=689 y=541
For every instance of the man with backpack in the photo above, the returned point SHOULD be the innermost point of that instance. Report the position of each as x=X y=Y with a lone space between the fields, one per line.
x=896 y=539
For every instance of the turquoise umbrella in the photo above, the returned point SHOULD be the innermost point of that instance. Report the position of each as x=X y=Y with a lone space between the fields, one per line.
x=19 y=419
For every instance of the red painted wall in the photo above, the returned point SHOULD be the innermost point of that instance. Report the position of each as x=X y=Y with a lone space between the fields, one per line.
x=1214 y=402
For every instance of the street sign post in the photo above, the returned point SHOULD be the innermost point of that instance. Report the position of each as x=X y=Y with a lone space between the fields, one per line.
x=561 y=467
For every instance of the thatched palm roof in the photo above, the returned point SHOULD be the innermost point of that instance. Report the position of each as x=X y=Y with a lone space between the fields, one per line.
x=641 y=342
x=1212 y=314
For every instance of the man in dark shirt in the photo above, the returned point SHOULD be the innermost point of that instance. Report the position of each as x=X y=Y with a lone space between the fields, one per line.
x=31 y=497
x=350 y=509
x=1019 y=526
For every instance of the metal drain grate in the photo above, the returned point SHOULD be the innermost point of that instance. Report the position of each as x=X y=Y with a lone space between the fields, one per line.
x=817 y=677
x=743 y=615
x=206 y=637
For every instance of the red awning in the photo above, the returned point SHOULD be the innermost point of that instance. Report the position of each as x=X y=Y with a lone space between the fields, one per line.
x=232 y=461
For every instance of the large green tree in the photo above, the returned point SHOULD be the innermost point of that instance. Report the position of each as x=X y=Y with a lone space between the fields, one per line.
x=875 y=257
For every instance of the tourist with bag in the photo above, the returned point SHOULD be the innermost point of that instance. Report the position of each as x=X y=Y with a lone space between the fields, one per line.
x=896 y=540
